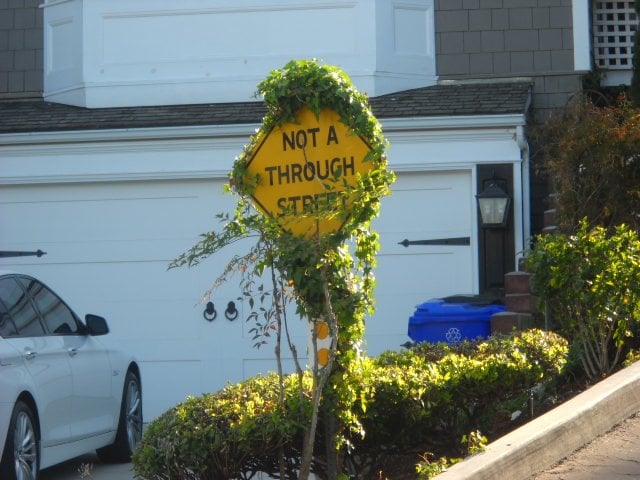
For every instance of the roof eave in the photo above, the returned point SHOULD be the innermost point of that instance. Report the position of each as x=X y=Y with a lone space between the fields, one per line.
x=129 y=134
x=507 y=120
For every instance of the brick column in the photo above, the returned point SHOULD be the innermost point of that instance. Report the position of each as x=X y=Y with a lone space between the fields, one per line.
x=519 y=303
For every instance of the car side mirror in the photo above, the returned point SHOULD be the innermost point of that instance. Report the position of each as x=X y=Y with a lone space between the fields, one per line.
x=96 y=325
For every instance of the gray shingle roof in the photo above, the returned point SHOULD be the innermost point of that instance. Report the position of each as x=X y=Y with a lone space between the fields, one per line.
x=456 y=100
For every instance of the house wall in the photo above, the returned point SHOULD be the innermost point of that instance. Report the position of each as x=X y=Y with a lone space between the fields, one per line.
x=486 y=39
x=112 y=207
x=507 y=38
x=20 y=48
x=474 y=39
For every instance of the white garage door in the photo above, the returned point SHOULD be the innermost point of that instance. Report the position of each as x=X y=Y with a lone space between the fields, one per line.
x=424 y=206
x=108 y=246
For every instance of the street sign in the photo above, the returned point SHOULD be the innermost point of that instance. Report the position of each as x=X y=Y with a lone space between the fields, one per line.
x=302 y=166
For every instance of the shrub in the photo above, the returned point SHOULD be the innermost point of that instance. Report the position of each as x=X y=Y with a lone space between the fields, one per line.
x=591 y=155
x=422 y=397
x=425 y=398
x=590 y=283
x=230 y=434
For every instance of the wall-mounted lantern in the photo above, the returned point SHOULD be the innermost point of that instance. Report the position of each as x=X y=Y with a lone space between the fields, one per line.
x=494 y=205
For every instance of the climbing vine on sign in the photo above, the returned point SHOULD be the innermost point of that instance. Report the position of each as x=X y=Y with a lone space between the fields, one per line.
x=330 y=276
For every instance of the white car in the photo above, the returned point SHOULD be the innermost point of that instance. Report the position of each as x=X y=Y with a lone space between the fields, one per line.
x=63 y=392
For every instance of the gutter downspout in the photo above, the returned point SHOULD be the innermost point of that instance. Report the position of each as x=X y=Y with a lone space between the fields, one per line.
x=525 y=188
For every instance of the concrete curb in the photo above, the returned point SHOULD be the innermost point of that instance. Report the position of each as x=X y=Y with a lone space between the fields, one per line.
x=556 y=434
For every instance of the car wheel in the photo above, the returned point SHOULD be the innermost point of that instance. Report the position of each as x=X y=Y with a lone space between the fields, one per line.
x=21 y=456
x=129 y=425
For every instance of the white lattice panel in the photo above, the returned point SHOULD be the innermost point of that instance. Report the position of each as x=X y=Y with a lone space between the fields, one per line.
x=614 y=27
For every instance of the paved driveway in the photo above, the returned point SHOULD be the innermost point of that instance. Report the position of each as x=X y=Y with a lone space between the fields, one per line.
x=89 y=468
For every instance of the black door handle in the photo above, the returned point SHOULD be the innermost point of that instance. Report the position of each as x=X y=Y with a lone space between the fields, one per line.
x=210 y=313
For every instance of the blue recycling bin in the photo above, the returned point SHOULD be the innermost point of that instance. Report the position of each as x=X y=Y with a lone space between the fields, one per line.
x=453 y=319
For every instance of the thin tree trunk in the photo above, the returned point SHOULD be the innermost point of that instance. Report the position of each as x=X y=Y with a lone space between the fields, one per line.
x=278 y=312
x=330 y=444
x=319 y=382
x=320 y=378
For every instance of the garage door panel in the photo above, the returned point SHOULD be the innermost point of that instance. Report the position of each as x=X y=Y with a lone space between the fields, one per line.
x=150 y=249
x=440 y=216
x=105 y=283
x=144 y=250
x=121 y=212
x=262 y=358
x=431 y=203
x=127 y=219
x=424 y=277
x=432 y=273
x=167 y=383
x=393 y=243
x=257 y=366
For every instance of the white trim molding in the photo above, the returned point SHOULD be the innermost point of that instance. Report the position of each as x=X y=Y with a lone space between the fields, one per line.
x=581 y=35
x=177 y=153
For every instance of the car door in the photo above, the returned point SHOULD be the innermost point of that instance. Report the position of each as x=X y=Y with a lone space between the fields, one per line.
x=92 y=401
x=44 y=359
x=95 y=407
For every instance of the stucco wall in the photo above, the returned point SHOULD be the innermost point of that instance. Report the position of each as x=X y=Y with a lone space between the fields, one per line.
x=20 y=48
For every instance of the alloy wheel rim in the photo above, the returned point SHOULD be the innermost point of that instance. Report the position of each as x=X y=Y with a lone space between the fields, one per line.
x=25 y=448
x=133 y=415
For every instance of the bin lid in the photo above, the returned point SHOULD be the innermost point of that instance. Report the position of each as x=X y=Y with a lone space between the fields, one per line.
x=474 y=299
x=438 y=309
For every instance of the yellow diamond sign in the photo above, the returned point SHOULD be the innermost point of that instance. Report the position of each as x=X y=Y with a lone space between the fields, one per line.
x=301 y=167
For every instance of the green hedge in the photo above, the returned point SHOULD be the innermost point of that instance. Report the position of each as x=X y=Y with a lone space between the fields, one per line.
x=223 y=435
x=434 y=394
x=429 y=396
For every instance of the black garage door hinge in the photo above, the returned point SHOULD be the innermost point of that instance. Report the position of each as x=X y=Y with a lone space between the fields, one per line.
x=4 y=254
x=438 y=241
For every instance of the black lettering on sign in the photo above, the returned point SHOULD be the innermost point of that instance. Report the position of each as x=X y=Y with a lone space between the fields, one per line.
x=311 y=170
x=282 y=205
x=296 y=170
x=299 y=139
x=349 y=166
x=332 y=136
x=305 y=204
